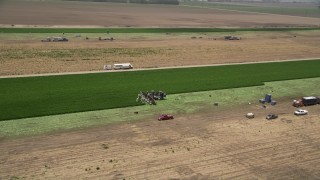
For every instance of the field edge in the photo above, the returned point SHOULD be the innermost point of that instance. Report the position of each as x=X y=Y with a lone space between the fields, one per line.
x=189 y=103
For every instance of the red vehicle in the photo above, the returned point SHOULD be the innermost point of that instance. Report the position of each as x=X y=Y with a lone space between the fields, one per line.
x=165 y=117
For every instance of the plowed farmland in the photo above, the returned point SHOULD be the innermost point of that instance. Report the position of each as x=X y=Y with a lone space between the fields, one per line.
x=204 y=141
x=55 y=13
x=204 y=145
x=25 y=54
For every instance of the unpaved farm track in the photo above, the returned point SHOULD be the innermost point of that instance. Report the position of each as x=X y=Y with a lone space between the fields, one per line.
x=207 y=145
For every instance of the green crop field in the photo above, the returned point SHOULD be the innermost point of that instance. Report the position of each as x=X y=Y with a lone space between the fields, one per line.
x=177 y=104
x=295 y=11
x=142 y=30
x=39 y=96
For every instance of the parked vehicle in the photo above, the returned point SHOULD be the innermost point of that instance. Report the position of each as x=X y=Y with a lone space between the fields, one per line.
x=306 y=101
x=250 y=115
x=271 y=116
x=297 y=103
x=300 y=112
x=55 y=39
x=232 y=38
x=122 y=66
x=107 y=67
x=165 y=117
x=309 y=101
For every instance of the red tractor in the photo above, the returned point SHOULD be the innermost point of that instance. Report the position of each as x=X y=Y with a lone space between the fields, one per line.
x=165 y=117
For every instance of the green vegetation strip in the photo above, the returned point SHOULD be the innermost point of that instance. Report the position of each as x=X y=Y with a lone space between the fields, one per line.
x=175 y=104
x=142 y=30
x=40 y=96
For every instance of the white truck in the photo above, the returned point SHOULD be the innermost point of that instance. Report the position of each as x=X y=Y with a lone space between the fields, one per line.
x=122 y=66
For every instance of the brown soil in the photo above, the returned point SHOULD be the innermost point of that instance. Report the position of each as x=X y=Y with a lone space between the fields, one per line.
x=34 y=57
x=208 y=145
x=110 y=14
x=278 y=4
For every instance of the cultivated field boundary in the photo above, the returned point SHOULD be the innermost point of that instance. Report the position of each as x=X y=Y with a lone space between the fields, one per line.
x=41 y=96
x=250 y=12
x=188 y=104
x=150 y=69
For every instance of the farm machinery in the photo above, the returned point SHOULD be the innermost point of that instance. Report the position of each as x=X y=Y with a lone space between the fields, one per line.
x=150 y=97
x=306 y=101
x=232 y=38
x=55 y=39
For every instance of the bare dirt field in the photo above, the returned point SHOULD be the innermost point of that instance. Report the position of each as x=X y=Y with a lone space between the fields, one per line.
x=25 y=56
x=278 y=4
x=213 y=144
x=53 y=13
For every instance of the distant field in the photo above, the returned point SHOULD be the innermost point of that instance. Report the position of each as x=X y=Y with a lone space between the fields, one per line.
x=144 y=30
x=39 y=96
x=147 y=50
x=93 y=14
x=310 y=4
x=283 y=10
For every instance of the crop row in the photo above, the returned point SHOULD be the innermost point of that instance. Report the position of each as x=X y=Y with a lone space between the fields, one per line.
x=48 y=95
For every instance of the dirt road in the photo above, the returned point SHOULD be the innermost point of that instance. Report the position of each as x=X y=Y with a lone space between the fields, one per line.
x=207 y=145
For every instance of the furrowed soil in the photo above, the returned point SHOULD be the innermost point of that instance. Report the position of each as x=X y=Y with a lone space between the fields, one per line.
x=55 y=13
x=212 y=144
x=26 y=54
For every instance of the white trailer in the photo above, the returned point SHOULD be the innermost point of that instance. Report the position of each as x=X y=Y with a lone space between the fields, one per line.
x=122 y=66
